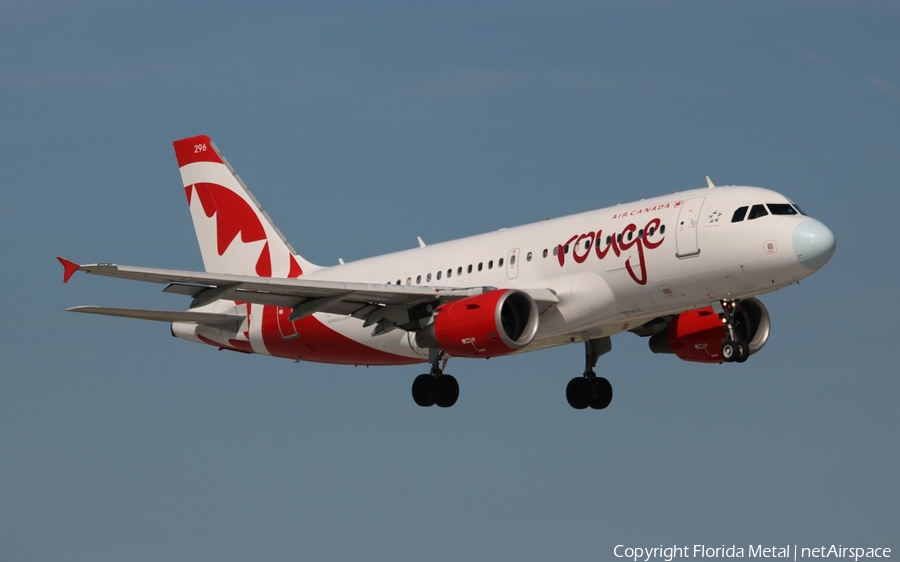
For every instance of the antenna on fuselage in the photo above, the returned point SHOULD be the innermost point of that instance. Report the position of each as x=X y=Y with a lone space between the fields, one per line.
x=709 y=182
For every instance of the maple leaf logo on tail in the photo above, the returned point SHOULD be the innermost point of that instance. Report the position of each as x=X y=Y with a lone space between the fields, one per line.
x=234 y=233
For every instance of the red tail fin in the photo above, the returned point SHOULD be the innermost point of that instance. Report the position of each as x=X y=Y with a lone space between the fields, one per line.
x=234 y=233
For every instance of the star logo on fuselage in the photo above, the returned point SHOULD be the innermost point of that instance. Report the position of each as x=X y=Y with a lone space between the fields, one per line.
x=714 y=217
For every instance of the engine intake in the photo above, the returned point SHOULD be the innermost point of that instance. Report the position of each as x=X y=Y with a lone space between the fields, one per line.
x=487 y=325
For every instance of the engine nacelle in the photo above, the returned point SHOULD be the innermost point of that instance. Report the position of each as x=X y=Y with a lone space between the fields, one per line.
x=486 y=325
x=697 y=335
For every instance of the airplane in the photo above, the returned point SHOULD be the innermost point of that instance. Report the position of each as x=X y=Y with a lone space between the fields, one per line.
x=683 y=270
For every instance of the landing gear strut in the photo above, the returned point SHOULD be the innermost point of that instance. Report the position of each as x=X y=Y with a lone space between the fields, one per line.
x=589 y=390
x=733 y=349
x=435 y=388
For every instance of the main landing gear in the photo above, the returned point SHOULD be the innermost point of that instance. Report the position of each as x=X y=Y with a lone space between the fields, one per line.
x=435 y=388
x=733 y=349
x=590 y=390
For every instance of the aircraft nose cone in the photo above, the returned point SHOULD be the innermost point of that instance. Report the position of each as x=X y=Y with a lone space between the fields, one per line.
x=813 y=243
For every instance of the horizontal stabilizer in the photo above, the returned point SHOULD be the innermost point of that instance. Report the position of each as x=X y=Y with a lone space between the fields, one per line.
x=203 y=318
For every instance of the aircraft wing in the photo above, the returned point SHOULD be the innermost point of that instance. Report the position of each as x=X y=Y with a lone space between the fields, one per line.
x=370 y=301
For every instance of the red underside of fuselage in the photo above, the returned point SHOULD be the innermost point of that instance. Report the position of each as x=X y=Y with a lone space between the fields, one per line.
x=308 y=339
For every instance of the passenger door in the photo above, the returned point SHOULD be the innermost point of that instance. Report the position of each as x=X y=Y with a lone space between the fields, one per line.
x=686 y=229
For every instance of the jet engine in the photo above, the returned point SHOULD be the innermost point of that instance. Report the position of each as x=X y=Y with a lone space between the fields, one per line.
x=697 y=335
x=487 y=325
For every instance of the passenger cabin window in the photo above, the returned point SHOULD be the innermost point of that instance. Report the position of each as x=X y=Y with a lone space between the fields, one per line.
x=545 y=252
x=757 y=211
x=459 y=270
x=528 y=257
x=500 y=261
x=418 y=279
x=781 y=209
x=491 y=264
x=739 y=215
x=438 y=275
x=480 y=266
x=469 y=270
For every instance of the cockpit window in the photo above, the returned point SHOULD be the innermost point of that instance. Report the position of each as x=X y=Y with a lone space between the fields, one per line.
x=757 y=211
x=781 y=209
x=739 y=214
x=799 y=210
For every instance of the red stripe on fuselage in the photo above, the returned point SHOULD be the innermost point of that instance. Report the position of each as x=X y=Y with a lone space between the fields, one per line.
x=310 y=340
x=236 y=345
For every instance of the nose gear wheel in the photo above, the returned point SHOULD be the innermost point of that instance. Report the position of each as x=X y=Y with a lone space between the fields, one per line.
x=733 y=349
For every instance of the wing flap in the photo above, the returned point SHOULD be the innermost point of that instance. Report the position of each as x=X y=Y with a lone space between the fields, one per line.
x=185 y=289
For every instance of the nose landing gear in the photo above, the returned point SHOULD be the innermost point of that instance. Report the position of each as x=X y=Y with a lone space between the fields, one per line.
x=733 y=349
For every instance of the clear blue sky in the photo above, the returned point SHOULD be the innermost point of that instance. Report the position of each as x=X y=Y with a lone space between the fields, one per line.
x=361 y=126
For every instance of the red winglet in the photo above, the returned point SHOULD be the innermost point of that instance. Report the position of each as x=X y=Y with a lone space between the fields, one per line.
x=195 y=149
x=69 y=268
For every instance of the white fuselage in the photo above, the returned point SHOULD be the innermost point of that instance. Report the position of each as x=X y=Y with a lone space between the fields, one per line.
x=660 y=256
